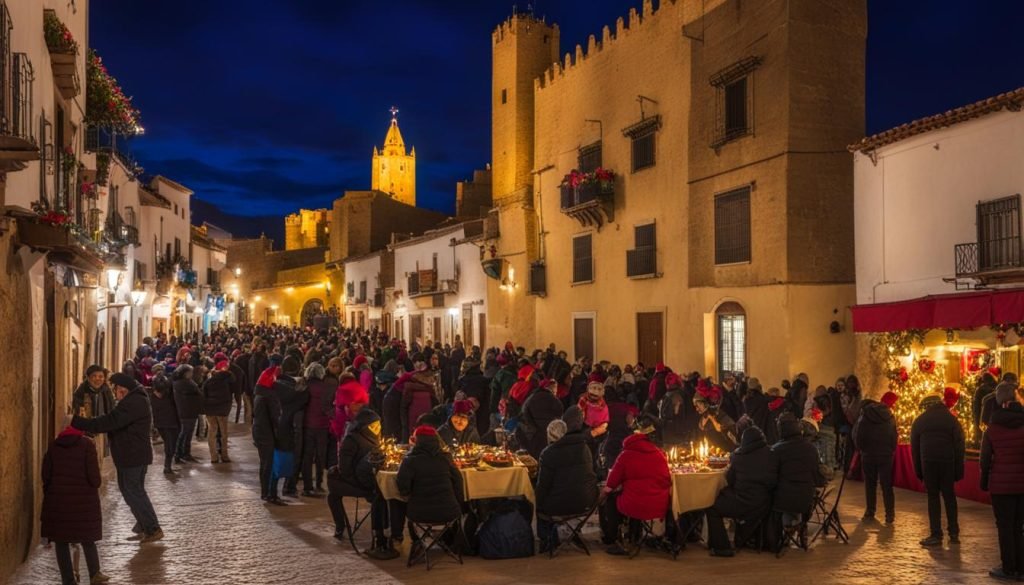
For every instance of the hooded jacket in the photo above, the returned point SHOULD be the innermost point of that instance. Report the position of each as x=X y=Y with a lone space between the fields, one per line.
x=755 y=405
x=799 y=471
x=292 y=401
x=266 y=411
x=642 y=471
x=218 y=393
x=1002 y=452
x=128 y=427
x=165 y=412
x=540 y=409
x=431 y=482
x=71 y=480
x=359 y=444
x=566 y=481
x=874 y=433
x=753 y=472
x=937 y=436
x=476 y=386
x=187 y=397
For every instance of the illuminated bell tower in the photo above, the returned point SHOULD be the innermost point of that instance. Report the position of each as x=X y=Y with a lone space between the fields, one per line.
x=394 y=170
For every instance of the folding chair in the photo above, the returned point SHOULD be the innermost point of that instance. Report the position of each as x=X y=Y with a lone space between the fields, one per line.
x=646 y=529
x=432 y=536
x=794 y=532
x=575 y=523
x=830 y=514
x=350 y=528
x=751 y=530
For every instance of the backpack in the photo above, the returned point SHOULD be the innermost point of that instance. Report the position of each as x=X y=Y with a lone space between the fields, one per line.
x=506 y=534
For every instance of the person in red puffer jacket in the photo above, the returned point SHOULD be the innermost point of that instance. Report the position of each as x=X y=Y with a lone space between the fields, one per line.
x=641 y=470
x=1002 y=475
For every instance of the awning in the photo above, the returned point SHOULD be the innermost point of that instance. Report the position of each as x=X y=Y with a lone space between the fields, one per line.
x=953 y=311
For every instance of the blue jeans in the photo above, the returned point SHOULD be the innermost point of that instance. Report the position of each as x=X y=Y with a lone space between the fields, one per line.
x=132 y=483
x=188 y=428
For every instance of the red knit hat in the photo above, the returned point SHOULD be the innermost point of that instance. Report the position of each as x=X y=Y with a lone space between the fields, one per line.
x=673 y=380
x=222 y=365
x=889 y=398
x=950 y=397
x=462 y=407
x=660 y=367
x=219 y=356
x=424 y=431
x=358 y=362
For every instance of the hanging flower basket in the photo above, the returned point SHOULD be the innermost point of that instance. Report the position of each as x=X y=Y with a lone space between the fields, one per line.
x=106 y=104
x=58 y=38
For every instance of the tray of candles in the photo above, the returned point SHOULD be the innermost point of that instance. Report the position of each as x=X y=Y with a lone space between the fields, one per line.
x=718 y=461
x=499 y=459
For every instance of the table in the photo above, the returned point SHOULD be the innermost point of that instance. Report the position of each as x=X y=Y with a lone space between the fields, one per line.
x=696 y=491
x=479 y=483
x=903 y=476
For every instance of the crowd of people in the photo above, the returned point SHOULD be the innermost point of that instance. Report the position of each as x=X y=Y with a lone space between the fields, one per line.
x=322 y=401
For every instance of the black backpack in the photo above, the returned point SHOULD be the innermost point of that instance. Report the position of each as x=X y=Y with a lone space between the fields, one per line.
x=506 y=534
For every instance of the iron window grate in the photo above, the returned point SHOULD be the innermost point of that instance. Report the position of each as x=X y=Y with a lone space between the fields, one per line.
x=732 y=226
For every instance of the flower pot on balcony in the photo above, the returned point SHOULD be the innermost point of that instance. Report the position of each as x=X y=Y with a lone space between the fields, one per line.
x=42 y=235
x=65 y=74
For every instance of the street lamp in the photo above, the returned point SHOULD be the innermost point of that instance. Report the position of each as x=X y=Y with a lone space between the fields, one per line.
x=238 y=271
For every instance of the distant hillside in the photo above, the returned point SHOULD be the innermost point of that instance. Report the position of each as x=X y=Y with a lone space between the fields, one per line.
x=240 y=226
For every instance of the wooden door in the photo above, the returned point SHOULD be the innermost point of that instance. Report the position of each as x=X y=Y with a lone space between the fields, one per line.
x=437 y=329
x=583 y=337
x=483 y=332
x=467 y=325
x=416 y=324
x=650 y=338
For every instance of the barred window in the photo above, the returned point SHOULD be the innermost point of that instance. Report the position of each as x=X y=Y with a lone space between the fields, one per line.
x=732 y=339
x=736 y=108
x=732 y=226
x=590 y=157
x=582 y=259
x=643 y=150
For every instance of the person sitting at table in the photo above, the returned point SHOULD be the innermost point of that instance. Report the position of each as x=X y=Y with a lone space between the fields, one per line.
x=430 y=482
x=354 y=477
x=641 y=471
x=566 y=480
x=799 y=472
x=542 y=407
x=458 y=430
x=716 y=426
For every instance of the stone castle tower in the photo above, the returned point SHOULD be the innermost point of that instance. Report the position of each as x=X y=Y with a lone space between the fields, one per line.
x=394 y=170
x=309 y=228
x=522 y=49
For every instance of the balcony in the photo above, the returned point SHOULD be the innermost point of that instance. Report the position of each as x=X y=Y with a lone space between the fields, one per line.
x=995 y=261
x=121 y=232
x=18 y=143
x=591 y=202
x=105 y=145
x=63 y=56
x=641 y=262
x=378 y=298
x=422 y=282
x=61 y=241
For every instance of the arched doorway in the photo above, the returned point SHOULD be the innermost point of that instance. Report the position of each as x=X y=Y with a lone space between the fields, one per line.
x=311 y=308
x=731 y=333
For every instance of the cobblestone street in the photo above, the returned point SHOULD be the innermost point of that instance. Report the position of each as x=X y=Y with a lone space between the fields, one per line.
x=218 y=531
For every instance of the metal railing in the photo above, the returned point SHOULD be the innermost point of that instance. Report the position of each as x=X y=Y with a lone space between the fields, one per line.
x=988 y=256
x=119 y=230
x=641 y=261
x=586 y=193
x=101 y=140
x=16 y=98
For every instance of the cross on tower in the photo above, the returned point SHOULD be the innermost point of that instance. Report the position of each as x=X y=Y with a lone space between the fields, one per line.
x=394 y=113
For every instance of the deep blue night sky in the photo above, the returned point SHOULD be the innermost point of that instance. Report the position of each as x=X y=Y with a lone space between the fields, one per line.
x=262 y=106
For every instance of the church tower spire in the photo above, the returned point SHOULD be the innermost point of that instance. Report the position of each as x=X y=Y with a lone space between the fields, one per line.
x=394 y=169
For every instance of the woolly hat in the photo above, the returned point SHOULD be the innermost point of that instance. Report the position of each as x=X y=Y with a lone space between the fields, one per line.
x=359 y=362
x=595 y=376
x=595 y=389
x=220 y=356
x=660 y=367
x=751 y=436
x=889 y=398
x=222 y=365
x=931 y=400
x=123 y=380
x=950 y=397
x=315 y=371
x=1005 y=392
x=789 y=426
x=556 y=430
x=462 y=408
x=424 y=431
x=291 y=366
x=573 y=418
x=672 y=380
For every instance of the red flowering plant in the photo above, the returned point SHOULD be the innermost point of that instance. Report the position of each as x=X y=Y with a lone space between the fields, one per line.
x=926 y=365
x=574 y=179
x=604 y=175
x=106 y=104
x=58 y=37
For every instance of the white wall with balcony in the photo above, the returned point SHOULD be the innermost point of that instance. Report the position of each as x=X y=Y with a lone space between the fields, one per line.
x=916 y=200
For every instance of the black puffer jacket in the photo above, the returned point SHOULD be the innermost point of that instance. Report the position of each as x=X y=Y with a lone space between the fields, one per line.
x=292 y=402
x=391 y=414
x=266 y=409
x=799 y=471
x=359 y=442
x=161 y=398
x=540 y=409
x=128 y=426
x=431 y=482
x=937 y=436
x=874 y=434
x=566 y=482
x=753 y=472
x=755 y=405
x=477 y=387
x=187 y=397
x=218 y=393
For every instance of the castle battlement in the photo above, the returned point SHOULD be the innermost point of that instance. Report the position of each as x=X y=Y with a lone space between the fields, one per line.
x=635 y=19
x=518 y=23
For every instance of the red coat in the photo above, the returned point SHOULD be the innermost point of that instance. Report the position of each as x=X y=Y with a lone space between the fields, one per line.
x=1002 y=453
x=642 y=471
x=71 y=499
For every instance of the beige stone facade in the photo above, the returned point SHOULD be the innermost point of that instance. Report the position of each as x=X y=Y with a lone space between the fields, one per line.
x=670 y=73
x=307 y=228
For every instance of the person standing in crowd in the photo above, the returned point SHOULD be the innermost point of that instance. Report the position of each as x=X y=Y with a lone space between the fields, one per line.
x=292 y=402
x=165 y=415
x=874 y=435
x=1002 y=475
x=71 y=503
x=189 y=402
x=129 y=425
x=937 y=444
x=986 y=386
x=266 y=413
x=217 y=398
x=315 y=433
x=539 y=410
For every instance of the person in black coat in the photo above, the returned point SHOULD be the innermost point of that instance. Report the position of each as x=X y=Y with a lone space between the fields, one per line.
x=476 y=387
x=937 y=444
x=354 y=476
x=566 y=480
x=430 y=481
x=755 y=404
x=217 y=398
x=459 y=428
x=539 y=410
x=286 y=445
x=799 y=470
x=986 y=386
x=752 y=476
x=189 y=402
x=238 y=388
x=874 y=435
x=129 y=426
x=165 y=414
x=679 y=419
x=266 y=412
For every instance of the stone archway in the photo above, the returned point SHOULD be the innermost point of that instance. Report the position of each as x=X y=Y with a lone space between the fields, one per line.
x=309 y=309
